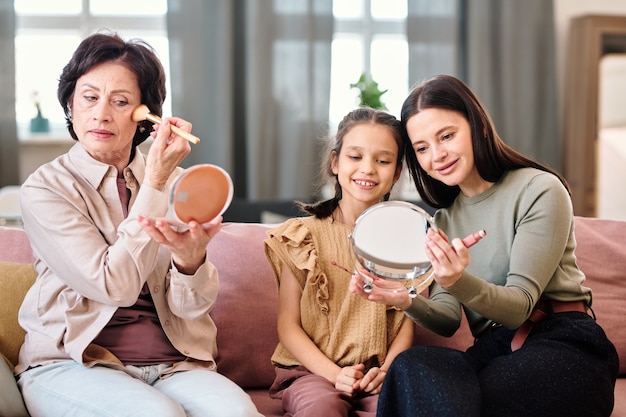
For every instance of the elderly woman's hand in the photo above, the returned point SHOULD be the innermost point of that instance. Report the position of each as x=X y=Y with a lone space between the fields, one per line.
x=188 y=247
x=166 y=152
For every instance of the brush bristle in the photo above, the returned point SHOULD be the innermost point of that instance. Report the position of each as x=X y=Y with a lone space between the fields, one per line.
x=140 y=113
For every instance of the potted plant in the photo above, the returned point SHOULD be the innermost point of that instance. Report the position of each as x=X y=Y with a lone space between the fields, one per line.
x=39 y=123
x=369 y=93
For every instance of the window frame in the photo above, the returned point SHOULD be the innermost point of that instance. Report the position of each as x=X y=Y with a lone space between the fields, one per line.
x=366 y=29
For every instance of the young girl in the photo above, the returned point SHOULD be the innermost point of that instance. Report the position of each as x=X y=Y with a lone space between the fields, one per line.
x=537 y=351
x=335 y=348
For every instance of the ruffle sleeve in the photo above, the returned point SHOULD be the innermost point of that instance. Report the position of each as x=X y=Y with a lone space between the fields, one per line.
x=292 y=245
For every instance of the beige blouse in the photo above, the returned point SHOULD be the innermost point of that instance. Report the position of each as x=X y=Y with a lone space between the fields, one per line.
x=346 y=328
x=90 y=261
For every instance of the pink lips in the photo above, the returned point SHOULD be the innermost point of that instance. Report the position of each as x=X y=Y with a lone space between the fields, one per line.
x=101 y=133
x=445 y=170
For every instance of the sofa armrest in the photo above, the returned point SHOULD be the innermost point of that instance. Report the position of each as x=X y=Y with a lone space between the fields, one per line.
x=600 y=255
x=11 y=403
x=15 y=280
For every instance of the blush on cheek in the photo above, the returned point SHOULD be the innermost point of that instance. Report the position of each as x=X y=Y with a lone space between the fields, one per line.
x=425 y=164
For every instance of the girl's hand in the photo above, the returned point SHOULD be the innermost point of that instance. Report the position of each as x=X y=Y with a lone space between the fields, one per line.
x=383 y=291
x=188 y=247
x=449 y=259
x=349 y=377
x=372 y=382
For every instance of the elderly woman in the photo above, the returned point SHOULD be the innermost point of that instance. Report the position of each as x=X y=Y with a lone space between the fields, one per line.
x=117 y=323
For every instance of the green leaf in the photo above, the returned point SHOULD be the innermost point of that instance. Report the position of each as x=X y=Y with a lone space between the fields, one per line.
x=369 y=93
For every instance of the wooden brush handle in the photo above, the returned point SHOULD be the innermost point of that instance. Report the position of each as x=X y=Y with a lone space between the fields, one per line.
x=180 y=132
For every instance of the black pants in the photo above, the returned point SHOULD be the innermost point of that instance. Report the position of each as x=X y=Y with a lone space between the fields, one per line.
x=567 y=367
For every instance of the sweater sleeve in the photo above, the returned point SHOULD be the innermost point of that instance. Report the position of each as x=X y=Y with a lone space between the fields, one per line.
x=441 y=312
x=528 y=252
x=542 y=224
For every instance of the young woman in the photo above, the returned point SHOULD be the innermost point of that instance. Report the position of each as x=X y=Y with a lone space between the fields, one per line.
x=538 y=351
x=335 y=348
x=118 y=322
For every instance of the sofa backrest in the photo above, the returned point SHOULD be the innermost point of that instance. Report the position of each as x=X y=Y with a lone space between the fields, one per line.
x=14 y=246
x=246 y=310
x=601 y=254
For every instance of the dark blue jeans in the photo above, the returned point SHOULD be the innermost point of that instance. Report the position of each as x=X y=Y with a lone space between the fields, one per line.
x=567 y=367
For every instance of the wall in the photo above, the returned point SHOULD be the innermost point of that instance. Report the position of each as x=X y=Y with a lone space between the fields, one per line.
x=564 y=10
x=35 y=152
x=611 y=142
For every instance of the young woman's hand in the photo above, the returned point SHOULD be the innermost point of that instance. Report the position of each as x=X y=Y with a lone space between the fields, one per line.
x=449 y=259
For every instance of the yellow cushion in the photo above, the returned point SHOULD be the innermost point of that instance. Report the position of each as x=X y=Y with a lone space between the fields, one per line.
x=15 y=280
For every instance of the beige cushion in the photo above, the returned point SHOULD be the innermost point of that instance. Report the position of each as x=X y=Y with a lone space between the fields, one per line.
x=601 y=254
x=15 y=280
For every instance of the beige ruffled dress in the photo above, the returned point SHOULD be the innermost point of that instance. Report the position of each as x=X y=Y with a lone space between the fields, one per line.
x=346 y=328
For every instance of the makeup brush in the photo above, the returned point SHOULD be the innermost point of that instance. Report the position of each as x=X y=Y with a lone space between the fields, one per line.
x=143 y=113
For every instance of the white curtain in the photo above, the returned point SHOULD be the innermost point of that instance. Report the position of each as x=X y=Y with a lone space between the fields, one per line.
x=505 y=51
x=254 y=79
x=9 y=156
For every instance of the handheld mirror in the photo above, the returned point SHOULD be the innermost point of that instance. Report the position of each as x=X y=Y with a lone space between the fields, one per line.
x=388 y=241
x=200 y=193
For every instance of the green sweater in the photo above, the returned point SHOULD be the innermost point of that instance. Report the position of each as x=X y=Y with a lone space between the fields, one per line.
x=528 y=252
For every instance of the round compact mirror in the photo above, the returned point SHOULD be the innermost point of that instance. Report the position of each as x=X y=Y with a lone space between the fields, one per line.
x=200 y=193
x=388 y=241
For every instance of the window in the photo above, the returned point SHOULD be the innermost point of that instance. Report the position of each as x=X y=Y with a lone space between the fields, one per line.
x=370 y=37
x=48 y=32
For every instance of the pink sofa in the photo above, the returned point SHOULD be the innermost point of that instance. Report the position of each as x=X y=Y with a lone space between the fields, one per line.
x=246 y=309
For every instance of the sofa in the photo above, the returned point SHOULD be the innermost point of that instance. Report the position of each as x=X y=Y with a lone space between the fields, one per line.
x=245 y=312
